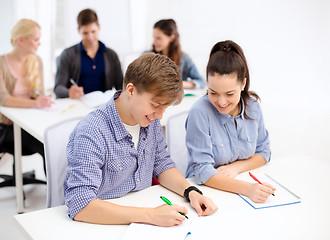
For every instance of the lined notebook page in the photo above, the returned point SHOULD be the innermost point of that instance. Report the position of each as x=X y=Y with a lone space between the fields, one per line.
x=282 y=195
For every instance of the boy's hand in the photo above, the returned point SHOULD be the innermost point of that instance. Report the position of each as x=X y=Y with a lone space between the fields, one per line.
x=76 y=92
x=204 y=206
x=167 y=216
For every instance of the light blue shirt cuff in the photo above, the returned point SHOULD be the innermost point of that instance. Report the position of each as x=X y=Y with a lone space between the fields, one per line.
x=204 y=173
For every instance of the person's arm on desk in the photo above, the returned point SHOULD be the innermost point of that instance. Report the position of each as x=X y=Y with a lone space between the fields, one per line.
x=102 y=212
x=39 y=102
x=224 y=180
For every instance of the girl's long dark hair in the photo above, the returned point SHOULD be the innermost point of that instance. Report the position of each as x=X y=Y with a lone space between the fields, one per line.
x=227 y=57
x=168 y=27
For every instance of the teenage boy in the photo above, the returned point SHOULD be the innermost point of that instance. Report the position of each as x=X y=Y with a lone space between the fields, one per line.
x=88 y=66
x=119 y=148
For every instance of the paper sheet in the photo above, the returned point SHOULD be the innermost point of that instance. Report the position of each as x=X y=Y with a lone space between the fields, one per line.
x=97 y=98
x=57 y=108
x=151 y=232
x=282 y=195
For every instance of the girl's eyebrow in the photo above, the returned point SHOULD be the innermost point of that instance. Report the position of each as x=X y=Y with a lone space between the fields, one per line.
x=226 y=92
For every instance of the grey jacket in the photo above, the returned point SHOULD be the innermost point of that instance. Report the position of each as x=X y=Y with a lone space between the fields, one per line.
x=68 y=66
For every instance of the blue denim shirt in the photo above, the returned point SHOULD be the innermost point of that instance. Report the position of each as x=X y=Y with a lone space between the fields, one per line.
x=213 y=139
x=189 y=70
x=103 y=162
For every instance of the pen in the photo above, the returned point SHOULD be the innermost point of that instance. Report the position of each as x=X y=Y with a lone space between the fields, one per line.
x=37 y=92
x=256 y=179
x=40 y=94
x=169 y=203
x=73 y=82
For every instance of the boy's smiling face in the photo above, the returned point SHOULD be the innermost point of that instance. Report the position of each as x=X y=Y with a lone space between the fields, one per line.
x=144 y=107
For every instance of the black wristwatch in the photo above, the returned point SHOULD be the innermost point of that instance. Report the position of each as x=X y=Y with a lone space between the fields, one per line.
x=188 y=190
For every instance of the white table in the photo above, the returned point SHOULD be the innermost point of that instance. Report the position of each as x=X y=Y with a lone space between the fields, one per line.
x=35 y=124
x=235 y=219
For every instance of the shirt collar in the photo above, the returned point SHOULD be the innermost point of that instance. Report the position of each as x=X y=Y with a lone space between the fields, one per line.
x=118 y=127
x=101 y=48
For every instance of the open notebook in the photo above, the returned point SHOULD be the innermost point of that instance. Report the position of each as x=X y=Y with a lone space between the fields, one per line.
x=96 y=98
x=283 y=196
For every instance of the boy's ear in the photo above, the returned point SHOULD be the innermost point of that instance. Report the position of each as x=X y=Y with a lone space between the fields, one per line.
x=130 y=89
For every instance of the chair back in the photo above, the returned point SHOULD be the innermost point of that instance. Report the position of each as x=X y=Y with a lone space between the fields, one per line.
x=176 y=140
x=56 y=138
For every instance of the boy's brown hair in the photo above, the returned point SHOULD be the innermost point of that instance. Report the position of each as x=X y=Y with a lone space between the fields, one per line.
x=87 y=16
x=157 y=74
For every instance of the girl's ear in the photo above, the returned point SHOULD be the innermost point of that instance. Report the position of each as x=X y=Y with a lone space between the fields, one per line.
x=243 y=84
x=172 y=37
x=20 y=40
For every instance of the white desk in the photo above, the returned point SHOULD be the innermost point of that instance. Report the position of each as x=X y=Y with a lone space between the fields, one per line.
x=235 y=219
x=35 y=124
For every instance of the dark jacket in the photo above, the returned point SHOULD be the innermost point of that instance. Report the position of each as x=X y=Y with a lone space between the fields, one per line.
x=68 y=66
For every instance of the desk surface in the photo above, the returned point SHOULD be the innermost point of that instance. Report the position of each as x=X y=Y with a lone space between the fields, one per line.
x=235 y=219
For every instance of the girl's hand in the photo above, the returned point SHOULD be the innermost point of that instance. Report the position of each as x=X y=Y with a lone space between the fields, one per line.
x=188 y=85
x=43 y=101
x=260 y=192
x=167 y=216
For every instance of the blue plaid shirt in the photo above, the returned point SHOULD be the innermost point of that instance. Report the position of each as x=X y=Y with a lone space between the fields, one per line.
x=103 y=162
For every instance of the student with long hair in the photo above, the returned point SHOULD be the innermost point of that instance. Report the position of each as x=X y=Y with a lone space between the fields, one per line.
x=166 y=41
x=226 y=134
x=21 y=82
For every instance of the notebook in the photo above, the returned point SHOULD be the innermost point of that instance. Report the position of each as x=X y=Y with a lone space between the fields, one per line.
x=96 y=98
x=283 y=196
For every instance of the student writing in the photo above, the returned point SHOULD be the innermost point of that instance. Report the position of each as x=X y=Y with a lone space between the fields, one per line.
x=92 y=65
x=21 y=76
x=226 y=134
x=119 y=148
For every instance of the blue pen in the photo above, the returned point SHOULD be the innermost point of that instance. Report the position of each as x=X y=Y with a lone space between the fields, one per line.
x=40 y=94
x=73 y=82
x=37 y=92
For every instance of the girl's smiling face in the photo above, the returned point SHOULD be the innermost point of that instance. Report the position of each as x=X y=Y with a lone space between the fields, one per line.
x=224 y=92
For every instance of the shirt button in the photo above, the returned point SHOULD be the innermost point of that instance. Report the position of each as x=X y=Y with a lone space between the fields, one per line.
x=120 y=168
x=132 y=146
x=144 y=139
x=129 y=135
x=221 y=145
x=239 y=125
x=138 y=180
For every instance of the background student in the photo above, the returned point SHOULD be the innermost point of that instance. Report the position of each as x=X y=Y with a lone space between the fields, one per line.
x=21 y=83
x=120 y=147
x=90 y=64
x=225 y=129
x=166 y=41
